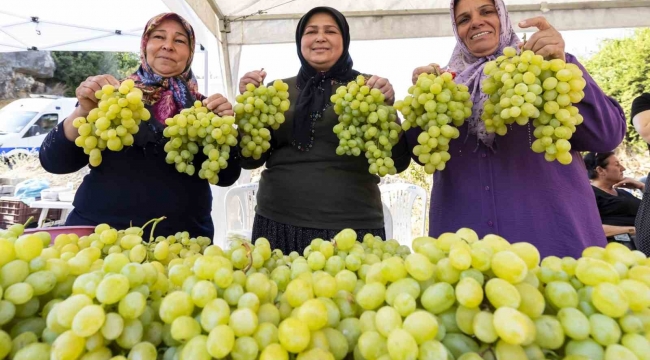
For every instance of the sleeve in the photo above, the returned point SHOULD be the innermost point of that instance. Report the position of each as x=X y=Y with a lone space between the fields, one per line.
x=604 y=123
x=230 y=174
x=58 y=155
x=401 y=154
x=250 y=163
x=412 y=140
x=640 y=104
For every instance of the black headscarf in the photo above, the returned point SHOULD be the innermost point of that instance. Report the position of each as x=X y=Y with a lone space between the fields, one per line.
x=314 y=98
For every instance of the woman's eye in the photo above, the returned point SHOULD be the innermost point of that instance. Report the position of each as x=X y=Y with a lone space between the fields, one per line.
x=180 y=41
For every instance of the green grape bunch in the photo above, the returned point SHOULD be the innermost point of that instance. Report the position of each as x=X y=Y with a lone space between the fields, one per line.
x=199 y=129
x=257 y=110
x=366 y=124
x=113 y=122
x=120 y=294
x=438 y=106
x=524 y=86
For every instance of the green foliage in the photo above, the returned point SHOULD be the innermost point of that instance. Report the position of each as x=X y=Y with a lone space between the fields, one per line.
x=622 y=70
x=127 y=63
x=73 y=67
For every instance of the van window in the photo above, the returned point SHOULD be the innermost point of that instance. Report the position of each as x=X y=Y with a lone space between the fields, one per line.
x=13 y=122
x=44 y=124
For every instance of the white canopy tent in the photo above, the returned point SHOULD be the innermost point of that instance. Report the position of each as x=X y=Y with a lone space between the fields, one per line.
x=72 y=25
x=225 y=27
x=252 y=22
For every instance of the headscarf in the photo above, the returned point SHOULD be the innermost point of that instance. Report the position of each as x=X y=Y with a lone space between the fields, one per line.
x=167 y=96
x=314 y=98
x=469 y=68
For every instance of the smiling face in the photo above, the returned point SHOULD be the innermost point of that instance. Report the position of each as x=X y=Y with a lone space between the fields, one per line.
x=478 y=26
x=322 y=42
x=168 y=49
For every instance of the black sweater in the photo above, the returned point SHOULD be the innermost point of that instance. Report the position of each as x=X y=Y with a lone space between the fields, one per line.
x=317 y=188
x=135 y=184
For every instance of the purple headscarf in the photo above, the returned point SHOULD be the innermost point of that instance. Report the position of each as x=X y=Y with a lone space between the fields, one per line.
x=469 y=68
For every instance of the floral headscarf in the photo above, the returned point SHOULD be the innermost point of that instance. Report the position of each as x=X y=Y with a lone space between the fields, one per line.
x=469 y=68
x=166 y=96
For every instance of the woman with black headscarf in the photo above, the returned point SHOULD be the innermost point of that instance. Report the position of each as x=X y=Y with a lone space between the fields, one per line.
x=135 y=184
x=306 y=190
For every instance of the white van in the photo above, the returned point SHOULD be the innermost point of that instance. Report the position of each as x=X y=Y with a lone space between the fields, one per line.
x=24 y=123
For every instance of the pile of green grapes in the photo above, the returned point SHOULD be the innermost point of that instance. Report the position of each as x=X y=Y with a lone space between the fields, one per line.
x=199 y=129
x=524 y=87
x=257 y=110
x=366 y=124
x=113 y=295
x=113 y=122
x=438 y=106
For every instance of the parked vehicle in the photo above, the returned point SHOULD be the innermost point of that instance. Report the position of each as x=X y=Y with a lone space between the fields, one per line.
x=25 y=122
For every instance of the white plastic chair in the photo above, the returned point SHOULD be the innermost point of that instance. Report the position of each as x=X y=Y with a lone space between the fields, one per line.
x=388 y=221
x=400 y=199
x=246 y=195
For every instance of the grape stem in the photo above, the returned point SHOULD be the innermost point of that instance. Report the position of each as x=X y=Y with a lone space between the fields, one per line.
x=249 y=254
x=145 y=225
x=489 y=349
x=153 y=227
x=28 y=221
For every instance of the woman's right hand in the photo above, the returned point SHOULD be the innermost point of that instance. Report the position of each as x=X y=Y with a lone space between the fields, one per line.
x=428 y=69
x=85 y=93
x=255 y=77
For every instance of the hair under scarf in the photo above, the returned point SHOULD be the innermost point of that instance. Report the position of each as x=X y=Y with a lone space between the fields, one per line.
x=167 y=96
x=469 y=68
x=314 y=96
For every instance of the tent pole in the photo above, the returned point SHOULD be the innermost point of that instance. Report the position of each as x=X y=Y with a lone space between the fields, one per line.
x=206 y=74
x=225 y=53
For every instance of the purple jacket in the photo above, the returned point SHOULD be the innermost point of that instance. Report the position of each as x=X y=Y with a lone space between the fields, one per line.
x=516 y=193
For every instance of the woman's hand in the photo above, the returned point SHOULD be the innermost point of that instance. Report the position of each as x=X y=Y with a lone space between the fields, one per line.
x=547 y=42
x=629 y=183
x=386 y=88
x=85 y=93
x=219 y=105
x=428 y=69
x=253 y=77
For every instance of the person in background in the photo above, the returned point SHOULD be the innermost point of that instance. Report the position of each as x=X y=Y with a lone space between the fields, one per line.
x=617 y=207
x=498 y=185
x=307 y=191
x=640 y=118
x=135 y=184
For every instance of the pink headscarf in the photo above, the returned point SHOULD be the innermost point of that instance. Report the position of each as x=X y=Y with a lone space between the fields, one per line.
x=469 y=68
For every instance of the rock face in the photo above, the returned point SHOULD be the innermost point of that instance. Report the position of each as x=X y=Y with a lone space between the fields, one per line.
x=21 y=72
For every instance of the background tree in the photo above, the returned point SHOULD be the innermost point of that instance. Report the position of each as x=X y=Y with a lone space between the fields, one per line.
x=73 y=67
x=622 y=69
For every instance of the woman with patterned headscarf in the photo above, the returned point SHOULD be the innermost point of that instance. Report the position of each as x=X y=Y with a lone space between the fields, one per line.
x=499 y=185
x=307 y=191
x=135 y=184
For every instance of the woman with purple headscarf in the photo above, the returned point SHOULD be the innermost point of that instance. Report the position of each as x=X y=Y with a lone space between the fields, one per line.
x=499 y=185
x=135 y=184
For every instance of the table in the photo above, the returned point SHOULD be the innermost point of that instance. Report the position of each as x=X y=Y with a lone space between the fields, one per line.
x=46 y=205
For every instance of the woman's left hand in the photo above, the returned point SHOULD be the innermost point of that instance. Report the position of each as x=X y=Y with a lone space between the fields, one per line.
x=629 y=183
x=386 y=88
x=219 y=105
x=547 y=42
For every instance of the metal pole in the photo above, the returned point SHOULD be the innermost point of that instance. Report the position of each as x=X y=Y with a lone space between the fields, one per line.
x=206 y=68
